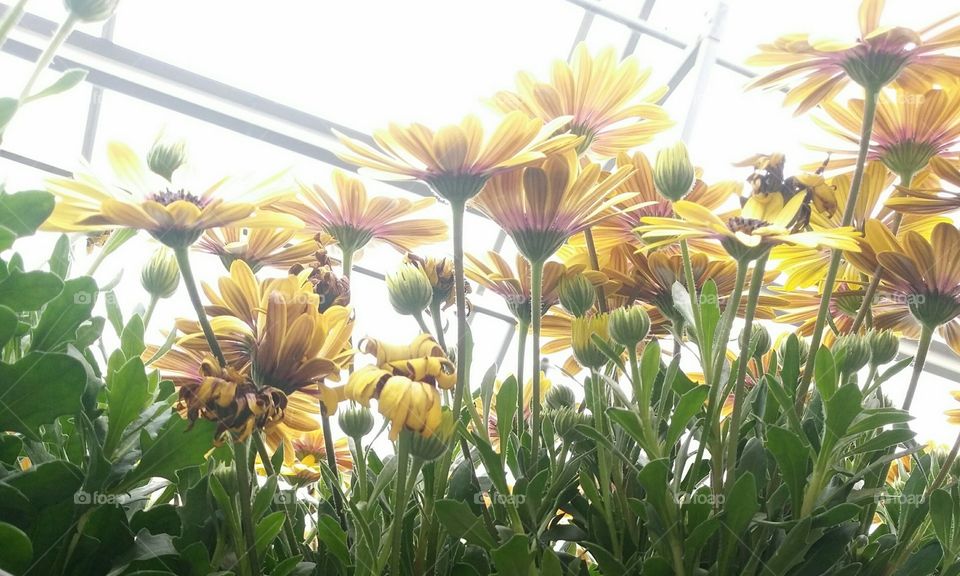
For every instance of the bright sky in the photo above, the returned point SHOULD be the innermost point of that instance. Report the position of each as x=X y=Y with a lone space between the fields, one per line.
x=364 y=63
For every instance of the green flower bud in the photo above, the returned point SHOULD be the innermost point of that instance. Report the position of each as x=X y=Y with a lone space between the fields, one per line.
x=166 y=156
x=581 y=336
x=409 y=290
x=355 y=421
x=673 y=173
x=851 y=352
x=227 y=475
x=559 y=397
x=759 y=341
x=566 y=420
x=161 y=275
x=91 y=10
x=804 y=348
x=429 y=448
x=577 y=294
x=884 y=346
x=629 y=326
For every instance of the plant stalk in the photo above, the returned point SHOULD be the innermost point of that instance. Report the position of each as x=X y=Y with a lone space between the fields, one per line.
x=536 y=303
x=923 y=346
x=66 y=27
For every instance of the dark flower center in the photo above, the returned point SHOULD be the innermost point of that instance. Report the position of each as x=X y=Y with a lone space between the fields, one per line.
x=745 y=225
x=168 y=197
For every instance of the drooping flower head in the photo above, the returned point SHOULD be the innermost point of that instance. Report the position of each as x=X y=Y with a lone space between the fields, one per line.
x=456 y=160
x=912 y=59
x=405 y=382
x=173 y=212
x=909 y=130
x=600 y=94
x=541 y=206
x=354 y=219
x=440 y=273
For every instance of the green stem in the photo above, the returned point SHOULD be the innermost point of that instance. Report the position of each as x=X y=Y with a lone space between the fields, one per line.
x=149 y=312
x=523 y=328
x=923 y=346
x=595 y=264
x=183 y=262
x=739 y=393
x=44 y=61
x=12 y=18
x=459 y=207
x=240 y=461
x=435 y=313
x=332 y=464
x=695 y=306
x=399 y=502
x=642 y=394
x=536 y=303
x=869 y=111
x=360 y=461
x=603 y=464
x=421 y=323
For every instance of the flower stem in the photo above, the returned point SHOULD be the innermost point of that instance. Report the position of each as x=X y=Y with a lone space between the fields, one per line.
x=944 y=468
x=438 y=324
x=694 y=305
x=523 y=328
x=642 y=395
x=240 y=461
x=148 y=314
x=459 y=207
x=739 y=393
x=360 y=462
x=44 y=61
x=399 y=502
x=595 y=264
x=536 y=303
x=289 y=535
x=923 y=346
x=869 y=111
x=421 y=323
x=603 y=464
x=332 y=464
x=11 y=19
x=183 y=262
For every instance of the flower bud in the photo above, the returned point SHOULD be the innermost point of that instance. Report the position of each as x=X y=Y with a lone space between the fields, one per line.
x=584 y=350
x=759 y=341
x=430 y=447
x=673 y=173
x=566 y=420
x=559 y=397
x=409 y=290
x=803 y=345
x=577 y=294
x=161 y=275
x=356 y=421
x=629 y=326
x=166 y=156
x=91 y=10
x=851 y=352
x=884 y=346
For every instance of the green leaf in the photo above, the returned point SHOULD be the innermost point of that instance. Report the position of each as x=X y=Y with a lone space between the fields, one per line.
x=131 y=339
x=741 y=505
x=37 y=390
x=878 y=418
x=17 y=549
x=10 y=446
x=114 y=313
x=486 y=390
x=836 y=515
x=630 y=422
x=28 y=291
x=825 y=373
x=690 y=403
x=24 y=212
x=506 y=410
x=650 y=364
x=841 y=410
x=8 y=108
x=268 y=529
x=941 y=516
x=61 y=258
x=176 y=446
x=681 y=302
x=460 y=522
x=7 y=238
x=790 y=369
x=66 y=81
x=923 y=562
x=513 y=558
x=893 y=370
x=790 y=551
x=64 y=314
x=791 y=455
x=264 y=497
x=128 y=395
x=884 y=439
x=8 y=324
x=334 y=538
x=709 y=312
